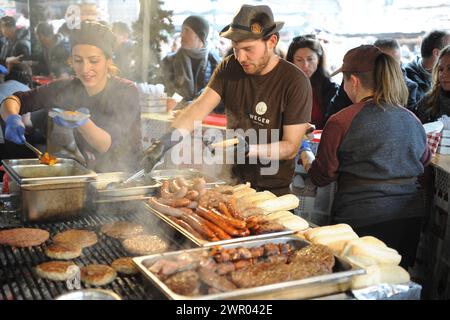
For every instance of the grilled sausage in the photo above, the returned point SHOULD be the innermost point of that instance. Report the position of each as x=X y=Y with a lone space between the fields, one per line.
x=176 y=203
x=165 y=190
x=240 y=224
x=198 y=226
x=164 y=209
x=217 y=220
x=232 y=208
x=187 y=227
x=192 y=195
x=181 y=193
x=220 y=233
x=224 y=210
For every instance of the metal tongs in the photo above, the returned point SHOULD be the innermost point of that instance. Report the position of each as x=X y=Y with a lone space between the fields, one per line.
x=135 y=176
x=34 y=149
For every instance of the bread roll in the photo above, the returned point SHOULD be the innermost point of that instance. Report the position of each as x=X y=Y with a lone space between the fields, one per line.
x=367 y=240
x=286 y=202
x=260 y=197
x=338 y=228
x=244 y=193
x=380 y=274
x=294 y=223
x=326 y=239
x=378 y=255
x=279 y=215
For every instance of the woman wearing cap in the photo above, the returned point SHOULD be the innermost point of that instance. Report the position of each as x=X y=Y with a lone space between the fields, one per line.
x=375 y=149
x=437 y=102
x=110 y=138
x=307 y=53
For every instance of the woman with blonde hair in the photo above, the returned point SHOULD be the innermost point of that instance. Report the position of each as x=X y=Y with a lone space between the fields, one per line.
x=436 y=103
x=375 y=149
x=109 y=138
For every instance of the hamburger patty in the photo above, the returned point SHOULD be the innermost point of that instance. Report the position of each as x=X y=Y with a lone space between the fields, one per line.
x=122 y=229
x=82 y=238
x=144 y=245
x=97 y=274
x=185 y=283
x=57 y=270
x=63 y=251
x=23 y=237
x=125 y=266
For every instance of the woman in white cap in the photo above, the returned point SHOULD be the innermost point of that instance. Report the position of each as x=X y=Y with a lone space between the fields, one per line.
x=375 y=149
x=110 y=138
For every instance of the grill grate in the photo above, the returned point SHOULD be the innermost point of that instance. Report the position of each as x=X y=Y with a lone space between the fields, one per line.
x=18 y=280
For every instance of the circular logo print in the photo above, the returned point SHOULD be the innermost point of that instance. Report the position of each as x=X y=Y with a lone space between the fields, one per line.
x=256 y=28
x=261 y=108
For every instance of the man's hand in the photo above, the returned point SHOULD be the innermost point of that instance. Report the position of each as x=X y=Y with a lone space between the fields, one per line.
x=11 y=61
x=15 y=129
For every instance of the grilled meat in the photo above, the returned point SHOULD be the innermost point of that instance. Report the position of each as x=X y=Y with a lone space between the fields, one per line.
x=122 y=229
x=83 y=238
x=23 y=237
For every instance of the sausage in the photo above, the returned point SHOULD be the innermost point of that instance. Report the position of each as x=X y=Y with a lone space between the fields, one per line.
x=193 y=205
x=220 y=233
x=182 y=182
x=187 y=227
x=164 y=209
x=181 y=193
x=217 y=220
x=198 y=226
x=192 y=195
x=165 y=192
x=173 y=186
x=224 y=210
x=199 y=185
x=240 y=224
x=232 y=208
x=176 y=203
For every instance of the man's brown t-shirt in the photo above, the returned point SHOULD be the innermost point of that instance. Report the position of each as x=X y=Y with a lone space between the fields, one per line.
x=280 y=98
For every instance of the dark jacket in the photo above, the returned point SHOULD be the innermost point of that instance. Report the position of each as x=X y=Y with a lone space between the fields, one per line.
x=424 y=112
x=19 y=46
x=328 y=92
x=338 y=102
x=416 y=72
x=54 y=60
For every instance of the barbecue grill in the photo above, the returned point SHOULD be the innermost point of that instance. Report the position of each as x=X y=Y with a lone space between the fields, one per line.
x=18 y=281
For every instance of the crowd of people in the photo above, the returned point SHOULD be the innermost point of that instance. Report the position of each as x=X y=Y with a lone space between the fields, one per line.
x=258 y=89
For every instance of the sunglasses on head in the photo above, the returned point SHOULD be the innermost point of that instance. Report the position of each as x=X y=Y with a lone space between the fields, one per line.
x=305 y=37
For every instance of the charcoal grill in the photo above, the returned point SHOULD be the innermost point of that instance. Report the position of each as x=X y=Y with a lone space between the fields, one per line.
x=18 y=280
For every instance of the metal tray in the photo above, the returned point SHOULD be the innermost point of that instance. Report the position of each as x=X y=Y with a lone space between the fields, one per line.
x=103 y=179
x=30 y=171
x=170 y=174
x=338 y=281
x=205 y=243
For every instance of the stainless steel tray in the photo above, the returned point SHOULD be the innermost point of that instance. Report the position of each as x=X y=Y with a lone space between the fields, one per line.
x=170 y=174
x=205 y=243
x=338 y=281
x=104 y=179
x=30 y=171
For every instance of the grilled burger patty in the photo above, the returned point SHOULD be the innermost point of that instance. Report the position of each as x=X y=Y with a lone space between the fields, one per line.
x=97 y=274
x=185 y=283
x=57 y=270
x=23 y=237
x=144 y=245
x=122 y=229
x=125 y=266
x=63 y=251
x=83 y=238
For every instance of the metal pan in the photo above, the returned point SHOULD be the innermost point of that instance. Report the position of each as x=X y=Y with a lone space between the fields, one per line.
x=103 y=179
x=338 y=281
x=205 y=243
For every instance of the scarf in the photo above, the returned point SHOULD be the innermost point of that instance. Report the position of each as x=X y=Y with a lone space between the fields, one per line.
x=187 y=83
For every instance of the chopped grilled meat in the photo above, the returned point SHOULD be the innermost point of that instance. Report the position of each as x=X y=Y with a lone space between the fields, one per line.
x=268 y=227
x=316 y=253
x=271 y=249
x=213 y=280
x=257 y=252
x=184 y=283
x=225 y=268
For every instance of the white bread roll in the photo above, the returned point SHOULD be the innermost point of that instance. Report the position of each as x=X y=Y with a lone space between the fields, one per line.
x=244 y=193
x=336 y=242
x=338 y=228
x=368 y=240
x=279 y=215
x=283 y=203
x=294 y=223
x=379 y=255
x=260 y=197
x=241 y=187
x=380 y=274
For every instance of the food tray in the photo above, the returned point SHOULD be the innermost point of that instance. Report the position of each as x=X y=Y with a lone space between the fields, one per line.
x=206 y=243
x=104 y=179
x=67 y=115
x=338 y=281
x=169 y=174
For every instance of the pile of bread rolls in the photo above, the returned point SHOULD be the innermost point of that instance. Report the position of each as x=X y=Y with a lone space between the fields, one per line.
x=380 y=261
x=274 y=208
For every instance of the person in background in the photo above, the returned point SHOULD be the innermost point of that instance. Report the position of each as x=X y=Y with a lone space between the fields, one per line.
x=107 y=106
x=262 y=94
x=419 y=70
x=392 y=47
x=375 y=149
x=307 y=53
x=124 y=51
x=436 y=103
x=55 y=52
x=16 y=48
x=189 y=70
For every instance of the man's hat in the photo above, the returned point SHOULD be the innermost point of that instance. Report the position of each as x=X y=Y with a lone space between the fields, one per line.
x=251 y=22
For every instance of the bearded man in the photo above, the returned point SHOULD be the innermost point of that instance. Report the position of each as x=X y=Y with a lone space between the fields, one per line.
x=263 y=95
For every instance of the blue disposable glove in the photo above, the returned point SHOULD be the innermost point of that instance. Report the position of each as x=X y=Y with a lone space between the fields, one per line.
x=305 y=146
x=15 y=129
x=58 y=120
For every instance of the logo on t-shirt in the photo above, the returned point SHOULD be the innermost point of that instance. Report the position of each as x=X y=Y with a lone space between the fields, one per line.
x=261 y=108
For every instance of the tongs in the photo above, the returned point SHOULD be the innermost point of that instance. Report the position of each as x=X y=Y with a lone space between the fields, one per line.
x=43 y=158
x=34 y=149
x=135 y=176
